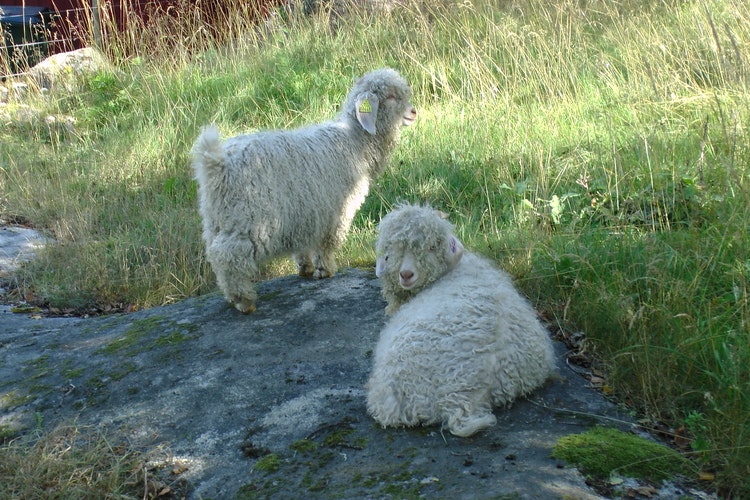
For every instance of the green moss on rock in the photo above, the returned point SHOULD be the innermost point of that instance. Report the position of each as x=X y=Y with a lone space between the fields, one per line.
x=269 y=463
x=602 y=452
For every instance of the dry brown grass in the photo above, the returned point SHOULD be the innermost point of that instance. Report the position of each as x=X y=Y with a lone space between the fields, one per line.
x=80 y=462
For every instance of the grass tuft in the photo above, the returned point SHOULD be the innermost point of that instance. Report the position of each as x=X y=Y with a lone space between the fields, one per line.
x=78 y=462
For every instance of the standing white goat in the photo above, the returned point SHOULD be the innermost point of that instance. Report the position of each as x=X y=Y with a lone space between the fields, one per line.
x=295 y=191
x=460 y=339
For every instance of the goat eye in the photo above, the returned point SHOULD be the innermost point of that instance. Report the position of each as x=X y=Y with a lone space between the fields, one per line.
x=391 y=98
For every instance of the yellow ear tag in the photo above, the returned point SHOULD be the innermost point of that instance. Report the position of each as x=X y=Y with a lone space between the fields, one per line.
x=365 y=107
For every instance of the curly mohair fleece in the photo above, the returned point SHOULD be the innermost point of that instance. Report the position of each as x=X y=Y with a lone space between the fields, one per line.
x=461 y=339
x=296 y=192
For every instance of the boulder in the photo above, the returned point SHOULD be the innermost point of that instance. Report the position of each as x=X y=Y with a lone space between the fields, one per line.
x=65 y=71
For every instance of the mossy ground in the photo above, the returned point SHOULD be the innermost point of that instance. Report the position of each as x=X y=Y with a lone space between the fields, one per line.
x=134 y=339
x=311 y=467
x=602 y=452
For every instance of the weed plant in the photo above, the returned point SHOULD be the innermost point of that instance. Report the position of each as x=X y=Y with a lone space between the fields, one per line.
x=599 y=152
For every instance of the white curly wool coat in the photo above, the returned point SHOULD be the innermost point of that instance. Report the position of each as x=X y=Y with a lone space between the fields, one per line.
x=295 y=192
x=460 y=340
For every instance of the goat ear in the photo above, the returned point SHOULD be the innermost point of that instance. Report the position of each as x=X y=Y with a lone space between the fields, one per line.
x=454 y=252
x=366 y=107
x=379 y=266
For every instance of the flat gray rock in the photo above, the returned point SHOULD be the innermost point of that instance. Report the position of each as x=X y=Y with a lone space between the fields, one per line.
x=272 y=404
x=17 y=245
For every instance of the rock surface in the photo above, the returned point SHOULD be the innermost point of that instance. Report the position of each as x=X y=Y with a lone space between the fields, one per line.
x=66 y=70
x=17 y=245
x=272 y=404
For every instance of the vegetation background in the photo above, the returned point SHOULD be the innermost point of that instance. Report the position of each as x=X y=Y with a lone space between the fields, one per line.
x=598 y=150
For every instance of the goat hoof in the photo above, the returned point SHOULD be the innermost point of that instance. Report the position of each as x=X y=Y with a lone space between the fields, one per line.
x=245 y=307
x=322 y=273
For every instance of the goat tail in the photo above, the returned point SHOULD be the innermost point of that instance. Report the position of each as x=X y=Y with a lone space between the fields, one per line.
x=208 y=155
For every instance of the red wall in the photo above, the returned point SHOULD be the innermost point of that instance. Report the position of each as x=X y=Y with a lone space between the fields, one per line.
x=69 y=28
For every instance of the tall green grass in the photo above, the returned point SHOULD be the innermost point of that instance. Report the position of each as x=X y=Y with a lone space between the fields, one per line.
x=598 y=151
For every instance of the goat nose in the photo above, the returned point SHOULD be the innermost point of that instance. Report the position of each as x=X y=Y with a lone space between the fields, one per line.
x=406 y=275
